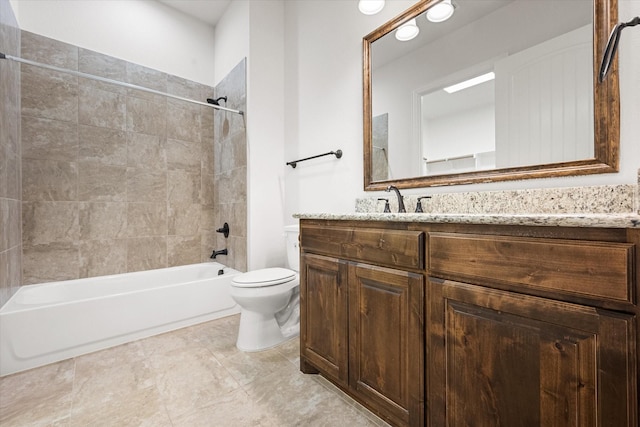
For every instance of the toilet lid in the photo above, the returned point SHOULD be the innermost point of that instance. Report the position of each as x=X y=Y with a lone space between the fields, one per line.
x=264 y=277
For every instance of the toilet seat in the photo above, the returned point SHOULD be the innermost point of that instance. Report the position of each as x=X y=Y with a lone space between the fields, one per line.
x=264 y=277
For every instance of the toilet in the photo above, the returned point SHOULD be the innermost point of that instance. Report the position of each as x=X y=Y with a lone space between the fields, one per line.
x=269 y=301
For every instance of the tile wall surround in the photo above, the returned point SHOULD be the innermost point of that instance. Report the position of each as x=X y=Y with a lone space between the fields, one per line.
x=10 y=165
x=114 y=179
x=606 y=199
x=230 y=168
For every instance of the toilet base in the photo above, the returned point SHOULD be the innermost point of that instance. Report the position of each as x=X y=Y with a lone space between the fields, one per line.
x=258 y=331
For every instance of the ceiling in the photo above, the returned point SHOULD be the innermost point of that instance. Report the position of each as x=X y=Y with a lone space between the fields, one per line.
x=207 y=11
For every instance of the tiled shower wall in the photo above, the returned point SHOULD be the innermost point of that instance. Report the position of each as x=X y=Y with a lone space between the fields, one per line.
x=230 y=168
x=114 y=179
x=10 y=193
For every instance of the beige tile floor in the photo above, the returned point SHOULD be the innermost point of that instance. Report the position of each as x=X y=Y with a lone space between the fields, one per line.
x=191 y=377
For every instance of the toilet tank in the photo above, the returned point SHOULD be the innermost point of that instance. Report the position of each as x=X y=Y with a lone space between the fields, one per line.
x=291 y=233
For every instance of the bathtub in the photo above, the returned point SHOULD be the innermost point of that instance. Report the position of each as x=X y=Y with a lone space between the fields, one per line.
x=49 y=322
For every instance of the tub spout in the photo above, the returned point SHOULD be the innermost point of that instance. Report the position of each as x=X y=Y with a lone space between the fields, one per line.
x=216 y=253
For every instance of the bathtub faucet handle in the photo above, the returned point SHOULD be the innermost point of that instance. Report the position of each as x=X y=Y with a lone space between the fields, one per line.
x=224 y=230
x=216 y=253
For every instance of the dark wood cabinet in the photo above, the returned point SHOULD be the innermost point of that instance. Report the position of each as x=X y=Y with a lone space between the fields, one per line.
x=475 y=325
x=385 y=341
x=362 y=324
x=528 y=330
x=323 y=320
x=503 y=359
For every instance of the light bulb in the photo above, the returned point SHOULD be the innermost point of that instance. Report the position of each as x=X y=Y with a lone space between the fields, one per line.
x=370 y=7
x=440 y=12
x=407 y=31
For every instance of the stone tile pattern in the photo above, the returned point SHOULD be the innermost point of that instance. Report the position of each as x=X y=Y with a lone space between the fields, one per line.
x=190 y=377
x=230 y=169
x=10 y=149
x=600 y=200
x=114 y=179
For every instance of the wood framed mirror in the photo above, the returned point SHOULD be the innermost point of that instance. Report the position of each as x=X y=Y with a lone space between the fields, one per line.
x=544 y=111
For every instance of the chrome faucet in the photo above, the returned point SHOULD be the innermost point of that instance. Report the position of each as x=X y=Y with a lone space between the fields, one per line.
x=401 y=208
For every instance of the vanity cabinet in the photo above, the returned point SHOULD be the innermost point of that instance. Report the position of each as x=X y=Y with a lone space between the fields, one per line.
x=526 y=331
x=362 y=316
x=449 y=324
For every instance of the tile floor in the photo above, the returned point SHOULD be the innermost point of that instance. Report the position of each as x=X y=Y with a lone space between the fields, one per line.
x=191 y=377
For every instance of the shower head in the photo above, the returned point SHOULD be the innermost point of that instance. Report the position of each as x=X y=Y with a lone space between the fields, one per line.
x=217 y=100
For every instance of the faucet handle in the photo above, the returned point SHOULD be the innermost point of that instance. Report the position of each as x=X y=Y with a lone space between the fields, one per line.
x=386 y=205
x=224 y=230
x=419 y=204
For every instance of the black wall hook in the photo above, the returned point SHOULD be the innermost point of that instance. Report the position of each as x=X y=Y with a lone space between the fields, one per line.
x=612 y=47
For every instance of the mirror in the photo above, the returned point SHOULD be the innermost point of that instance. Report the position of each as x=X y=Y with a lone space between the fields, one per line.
x=538 y=113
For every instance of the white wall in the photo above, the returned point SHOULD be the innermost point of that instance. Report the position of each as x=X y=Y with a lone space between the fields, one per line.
x=323 y=101
x=324 y=98
x=145 y=32
x=265 y=135
x=231 y=41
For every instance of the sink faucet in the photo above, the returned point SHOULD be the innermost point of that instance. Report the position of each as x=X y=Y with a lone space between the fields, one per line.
x=401 y=208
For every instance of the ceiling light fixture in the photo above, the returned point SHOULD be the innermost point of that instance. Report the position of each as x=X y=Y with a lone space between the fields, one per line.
x=370 y=7
x=407 y=31
x=440 y=12
x=471 y=82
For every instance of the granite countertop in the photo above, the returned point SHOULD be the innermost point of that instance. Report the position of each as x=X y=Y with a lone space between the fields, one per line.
x=554 y=220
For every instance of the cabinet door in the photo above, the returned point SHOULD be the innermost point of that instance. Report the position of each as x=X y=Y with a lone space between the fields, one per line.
x=503 y=359
x=323 y=317
x=386 y=345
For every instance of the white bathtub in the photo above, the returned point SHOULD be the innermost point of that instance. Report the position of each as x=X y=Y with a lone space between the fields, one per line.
x=54 y=321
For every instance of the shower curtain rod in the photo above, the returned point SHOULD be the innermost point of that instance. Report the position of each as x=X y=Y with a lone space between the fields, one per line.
x=116 y=82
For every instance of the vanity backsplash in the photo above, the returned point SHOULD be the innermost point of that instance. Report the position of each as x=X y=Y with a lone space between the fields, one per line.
x=606 y=199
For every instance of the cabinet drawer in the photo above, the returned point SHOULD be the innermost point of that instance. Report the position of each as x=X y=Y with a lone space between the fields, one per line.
x=597 y=270
x=393 y=248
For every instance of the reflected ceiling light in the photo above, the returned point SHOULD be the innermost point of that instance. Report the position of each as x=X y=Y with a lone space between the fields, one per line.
x=407 y=31
x=440 y=12
x=370 y=7
x=471 y=82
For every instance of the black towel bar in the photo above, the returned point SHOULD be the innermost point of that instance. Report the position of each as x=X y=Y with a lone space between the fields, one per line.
x=337 y=153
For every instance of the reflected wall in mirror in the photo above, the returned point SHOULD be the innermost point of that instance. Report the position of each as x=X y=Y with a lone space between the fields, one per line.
x=380 y=146
x=537 y=110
